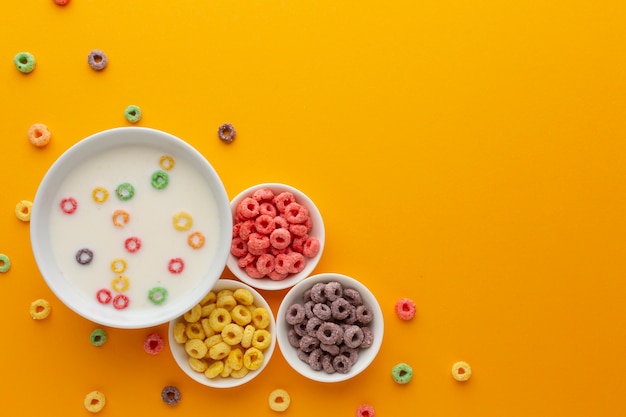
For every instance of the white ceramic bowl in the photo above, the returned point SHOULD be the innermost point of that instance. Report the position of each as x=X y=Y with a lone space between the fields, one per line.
x=182 y=358
x=317 y=231
x=366 y=356
x=106 y=159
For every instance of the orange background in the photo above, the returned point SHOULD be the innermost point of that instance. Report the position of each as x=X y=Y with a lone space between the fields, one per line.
x=467 y=154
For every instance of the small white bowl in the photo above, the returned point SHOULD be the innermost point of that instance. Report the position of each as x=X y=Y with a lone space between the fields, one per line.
x=108 y=159
x=181 y=357
x=317 y=231
x=366 y=356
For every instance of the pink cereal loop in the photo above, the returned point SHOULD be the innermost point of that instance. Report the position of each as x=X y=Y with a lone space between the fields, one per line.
x=296 y=213
x=263 y=194
x=280 y=238
x=264 y=224
x=265 y=264
x=248 y=208
x=246 y=260
x=280 y=222
x=283 y=263
x=405 y=309
x=283 y=199
x=268 y=208
x=365 y=410
x=311 y=247
x=253 y=272
x=238 y=247
x=298 y=262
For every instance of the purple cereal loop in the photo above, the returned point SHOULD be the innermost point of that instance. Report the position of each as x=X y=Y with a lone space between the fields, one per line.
x=368 y=337
x=351 y=319
x=308 y=343
x=315 y=359
x=306 y=295
x=312 y=325
x=352 y=296
x=97 y=60
x=302 y=355
x=364 y=314
x=327 y=364
x=308 y=309
x=340 y=309
x=330 y=333
x=300 y=329
x=322 y=311
x=350 y=353
x=353 y=336
x=317 y=293
x=333 y=350
x=333 y=290
x=170 y=395
x=342 y=364
x=295 y=314
x=293 y=337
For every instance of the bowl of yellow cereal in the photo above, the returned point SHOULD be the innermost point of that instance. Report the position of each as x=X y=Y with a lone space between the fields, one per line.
x=278 y=236
x=130 y=227
x=227 y=338
x=329 y=327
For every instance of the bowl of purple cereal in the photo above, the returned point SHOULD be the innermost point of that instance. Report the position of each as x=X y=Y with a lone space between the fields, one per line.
x=329 y=327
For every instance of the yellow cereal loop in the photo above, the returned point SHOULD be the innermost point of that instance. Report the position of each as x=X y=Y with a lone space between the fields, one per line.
x=166 y=162
x=23 y=210
x=198 y=365
x=232 y=333
x=214 y=369
x=241 y=315
x=206 y=327
x=219 y=318
x=261 y=318
x=208 y=309
x=223 y=292
x=99 y=194
x=239 y=373
x=179 y=333
x=94 y=401
x=253 y=358
x=212 y=340
x=220 y=351
x=194 y=331
x=182 y=221
x=194 y=314
x=279 y=400
x=40 y=309
x=226 y=370
x=227 y=302
x=461 y=371
x=261 y=339
x=243 y=296
x=120 y=283
x=195 y=348
x=235 y=359
x=209 y=298
x=248 y=333
x=118 y=265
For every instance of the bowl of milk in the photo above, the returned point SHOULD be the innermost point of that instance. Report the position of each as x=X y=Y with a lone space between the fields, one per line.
x=130 y=227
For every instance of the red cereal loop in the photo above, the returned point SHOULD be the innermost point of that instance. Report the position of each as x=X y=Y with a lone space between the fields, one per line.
x=248 y=208
x=405 y=309
x=153 y=344
x=258 y=244
x=283 y=199
x=238 y=247
x=69 y=205
x=120 y=301
x=365 y=410
x=264 y=224
x=263 y=194
x=280 y=238
x=103 y=296
x=265 y=263
x=296 y=213
x=253 y=272
x=61 y=2
x=298 y=262
x=176 y=265
x=268 y=208
x=311 y=247
x=132 y=244
x=246 y=228
x=283 y=263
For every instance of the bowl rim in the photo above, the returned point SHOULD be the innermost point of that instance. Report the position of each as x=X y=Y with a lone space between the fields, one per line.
x=282 y=327
x=65 y=164
x=181 y=358
x=266 y=283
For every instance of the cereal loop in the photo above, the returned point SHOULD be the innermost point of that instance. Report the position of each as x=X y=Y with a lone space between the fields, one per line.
x=99 y=194
x=120 y=301
x=170 y=395
x=23 y=210
x=68 y=205
x=226 y=133
x=98 y=337
x=196 y=240
x=279 y=400
x=402 y=373
x=61 y=2
x=157 y=295
x=5 y=263
x=96 y=59
x=461 y=371
x=132 y=113
x=84 y=256
x=166 y=162
x=405 y=309
x=118 y=265
x=104 y=296
x=94 y=401
x=153 y=344
x=365 y=410
x=160 y=179
x=125 y=191
x=120 y=218
x=182 y=221
x=132 y=244
x=176 y=265
x=24 y=62
x=40 y=309
x=120 y=283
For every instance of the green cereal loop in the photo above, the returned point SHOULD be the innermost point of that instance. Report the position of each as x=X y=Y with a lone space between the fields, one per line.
x=132 y=113
x=402 y=373
x=160 y=179
x=125 y=191
x=5 y=263
x=157 y=295
x=24 y=62
x=98 y=337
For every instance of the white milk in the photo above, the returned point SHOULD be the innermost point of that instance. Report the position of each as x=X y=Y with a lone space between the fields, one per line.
x=151 y=220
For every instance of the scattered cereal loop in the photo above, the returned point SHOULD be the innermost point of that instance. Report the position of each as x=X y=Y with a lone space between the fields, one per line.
x=24 y=62
x=157 y=295
x=153 y=344
x=120 y=301
x=40 y=309
x=182 y=221
x=104 y=296
x=125 y=191
x=405 y=308
x=402 y=373
x=68 y=205
x=98 y=337
x=118 y=265
x=84 y=256
x=160 y=179
x=94 y=401
x=170 y=395
x=5 y=263
x=120 y=218
x=61 y=2
x=196 y=240
x=176 y=265
x=23 y=210
x=132 y=244
x=279 y=400
x=132 y=113
x=99 y=194
x=97 y=59
x=166 y=162
x=365 y=410
x=226 y=133
x=39 y=135
x=120 y=283
x=461 y=371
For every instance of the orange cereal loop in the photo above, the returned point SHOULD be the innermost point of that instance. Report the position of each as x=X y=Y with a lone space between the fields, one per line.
x=99 y=194
x=39 y=135
x=94 y=401
x=182 y=221
x=196 y=240
x=120 y=218
x=23 y=209
x=166 y=162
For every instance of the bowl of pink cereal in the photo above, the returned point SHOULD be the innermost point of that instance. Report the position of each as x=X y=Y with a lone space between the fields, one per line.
x=329 y=327
x=227 y=339
x=278 y=236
